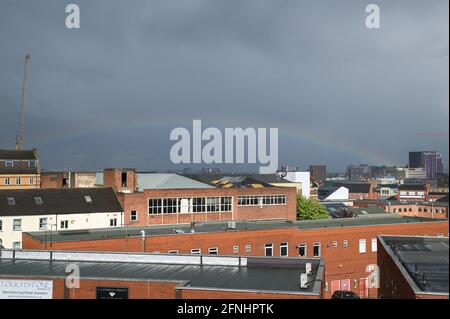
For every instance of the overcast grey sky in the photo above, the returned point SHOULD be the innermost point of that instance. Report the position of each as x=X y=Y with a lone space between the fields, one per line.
x=109 y=93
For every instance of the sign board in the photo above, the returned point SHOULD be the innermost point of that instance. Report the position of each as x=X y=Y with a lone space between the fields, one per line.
x=26 y=289
x=112 y=293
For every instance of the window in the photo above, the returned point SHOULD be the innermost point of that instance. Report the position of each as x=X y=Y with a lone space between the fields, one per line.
x=335 y=244
x=11 y=201
x=53 y=178
x=42 y=223
x=248 y=248
x=213 y=251
x=1 y=225
x=113 y=222
x=284 y=249
x=88 y=199
x=196 y=251
x=189 y=205
x=374 y=245
x=17 y=225
x=261 y=200
x=18 y=181
x=7 y=181
x=302 y=250
x=316 y=249
x=32 y=163
x=362 y=246
x=133 y=216
x=9 y=164
x=268 y=250
x=17 y=245
x=31 y=181
x=439 y=234
x=173 y=252
x=64 y=224
x=345 y=243
x=38 y=200
x=235 y=249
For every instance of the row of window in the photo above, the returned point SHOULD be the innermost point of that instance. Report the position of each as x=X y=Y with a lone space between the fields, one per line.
x=43 y=224
x=38 y=200
x=189 y=205
x=284 y=248
x=261 y=200
x=425 y=210
x=30 y=163
x=7 y=181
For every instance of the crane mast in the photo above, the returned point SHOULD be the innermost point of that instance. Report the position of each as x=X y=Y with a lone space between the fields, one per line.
x=19 y=140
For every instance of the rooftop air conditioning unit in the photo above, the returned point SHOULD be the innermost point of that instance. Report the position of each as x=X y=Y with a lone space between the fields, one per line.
x=231 y=225
x=304 y=280
x=308 y=268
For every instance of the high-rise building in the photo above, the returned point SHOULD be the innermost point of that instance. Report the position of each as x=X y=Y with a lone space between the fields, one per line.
x=318 y=173
x=358 y=173
x=431 y=161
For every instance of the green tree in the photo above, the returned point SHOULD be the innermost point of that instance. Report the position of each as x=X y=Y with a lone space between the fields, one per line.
x=308 y=209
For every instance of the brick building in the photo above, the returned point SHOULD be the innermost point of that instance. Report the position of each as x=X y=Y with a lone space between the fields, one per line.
x=413 y=267
x=348 y=246
x=19 y=169
x=42 y=275
x=68 y=179
x=183 y=206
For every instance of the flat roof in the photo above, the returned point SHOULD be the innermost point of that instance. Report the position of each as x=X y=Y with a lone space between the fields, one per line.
x=271 y=274
x=423 y=260
x=120 y=232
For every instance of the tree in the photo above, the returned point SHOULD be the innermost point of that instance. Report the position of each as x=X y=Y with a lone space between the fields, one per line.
x=308 y=209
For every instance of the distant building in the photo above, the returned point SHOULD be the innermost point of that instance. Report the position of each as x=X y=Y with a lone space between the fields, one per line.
x=413 y=267
x=358 y=191
x=19 y=169
x=411 y=173
x=358 y=173
x=318 y=173
x=431 y=161
x=299 y=177
x=68 y=179
x=417 y=192
x=333 y=193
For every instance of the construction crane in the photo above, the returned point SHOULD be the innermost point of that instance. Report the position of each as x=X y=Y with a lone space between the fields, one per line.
x=19 y=138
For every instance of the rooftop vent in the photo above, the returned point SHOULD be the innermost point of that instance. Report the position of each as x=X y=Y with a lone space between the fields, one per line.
x=88 y=199
x=38 y=200
x=11 y=201
x=304 y=280
x=231 y=225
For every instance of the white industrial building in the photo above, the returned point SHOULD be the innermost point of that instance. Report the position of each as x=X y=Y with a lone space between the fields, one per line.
x=54 y=210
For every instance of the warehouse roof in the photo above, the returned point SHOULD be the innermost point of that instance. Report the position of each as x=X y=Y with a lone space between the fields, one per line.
x=422 y=260
x=166 y=181
x=58 y=201
x=107 y=233
x=191 y=271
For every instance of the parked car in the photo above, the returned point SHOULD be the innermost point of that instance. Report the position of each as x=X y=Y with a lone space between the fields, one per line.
x=340 y=294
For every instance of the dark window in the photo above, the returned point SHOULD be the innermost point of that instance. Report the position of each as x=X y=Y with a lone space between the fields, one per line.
x=124 y=179
x=302 y=250
x=268 y=250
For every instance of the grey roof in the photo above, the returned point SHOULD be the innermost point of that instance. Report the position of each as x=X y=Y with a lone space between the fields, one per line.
x=97 y=234
x=412 y=187
x=58 y=201
x=18 y=155
x=166 y=181
x=354 y=187
x=424 y=261
x=257 y=273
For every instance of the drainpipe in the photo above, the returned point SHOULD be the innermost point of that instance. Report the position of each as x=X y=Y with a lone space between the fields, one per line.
x=143 y=241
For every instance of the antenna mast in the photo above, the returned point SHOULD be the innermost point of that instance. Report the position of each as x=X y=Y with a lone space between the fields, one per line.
x=19 y=140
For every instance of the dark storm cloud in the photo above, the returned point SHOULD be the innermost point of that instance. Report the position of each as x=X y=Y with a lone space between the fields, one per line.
x=109 y=93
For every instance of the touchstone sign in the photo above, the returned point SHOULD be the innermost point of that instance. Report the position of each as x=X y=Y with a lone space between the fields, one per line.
x=26 y=289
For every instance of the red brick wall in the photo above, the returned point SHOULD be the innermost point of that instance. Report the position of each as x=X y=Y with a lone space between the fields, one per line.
x=341 y=263
x=139 y=202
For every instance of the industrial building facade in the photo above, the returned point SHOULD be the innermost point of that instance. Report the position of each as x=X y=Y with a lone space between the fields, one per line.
x=183 y=206
x=42 y=275
x=348 y=247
